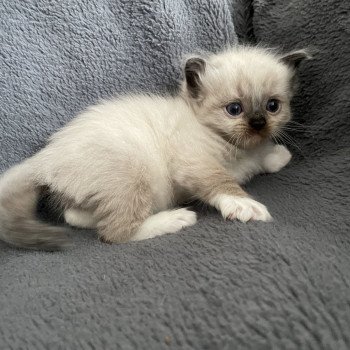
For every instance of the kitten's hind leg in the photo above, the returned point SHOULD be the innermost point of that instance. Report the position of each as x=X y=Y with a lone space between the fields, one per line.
x=80 y=218
x=135 y=222
x=169 y=221
x=124 y=210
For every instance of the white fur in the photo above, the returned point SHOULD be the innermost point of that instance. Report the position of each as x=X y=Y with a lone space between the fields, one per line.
x=268 y=157
x=169 y=221
x=240 y=208
x=80 y=218
x=130 y=158
x=276 y=160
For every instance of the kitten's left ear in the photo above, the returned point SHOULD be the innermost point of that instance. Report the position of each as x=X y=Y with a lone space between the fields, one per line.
x=194 y=70
x=294 y=58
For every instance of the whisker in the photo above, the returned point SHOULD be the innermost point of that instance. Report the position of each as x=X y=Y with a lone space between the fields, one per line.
x=305 y=126
x=284 y=137
x=296 y=130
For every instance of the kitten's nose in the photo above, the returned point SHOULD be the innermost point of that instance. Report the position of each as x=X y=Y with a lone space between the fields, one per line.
x=257 y=123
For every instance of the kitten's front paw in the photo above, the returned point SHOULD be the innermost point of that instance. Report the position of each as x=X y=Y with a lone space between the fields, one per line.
x=241 y=208
x=277 y=160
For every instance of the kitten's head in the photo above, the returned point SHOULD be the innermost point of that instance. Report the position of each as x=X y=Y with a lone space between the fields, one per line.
x=243 y=94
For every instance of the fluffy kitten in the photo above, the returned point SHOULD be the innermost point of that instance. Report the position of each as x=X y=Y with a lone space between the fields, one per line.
x=123 y=165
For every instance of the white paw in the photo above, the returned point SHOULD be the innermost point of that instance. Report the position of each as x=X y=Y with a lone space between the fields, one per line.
x=241 y=208
x=169 y=221
x=277 y=160
x=179 y=219
x=79 y=218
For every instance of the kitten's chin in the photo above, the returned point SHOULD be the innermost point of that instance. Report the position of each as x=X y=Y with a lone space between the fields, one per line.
x=252 y=141
x=248 y=139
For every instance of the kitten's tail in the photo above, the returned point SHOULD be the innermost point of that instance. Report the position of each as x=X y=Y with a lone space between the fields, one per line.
x=19 y=226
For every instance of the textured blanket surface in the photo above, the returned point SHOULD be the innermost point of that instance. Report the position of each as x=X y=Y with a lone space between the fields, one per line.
x=217 y=285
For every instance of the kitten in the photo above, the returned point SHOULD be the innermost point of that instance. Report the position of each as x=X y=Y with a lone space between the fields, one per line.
x=122 y=166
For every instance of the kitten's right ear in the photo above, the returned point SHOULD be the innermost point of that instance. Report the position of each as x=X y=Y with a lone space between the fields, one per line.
x=194 y=70
x=294 y=58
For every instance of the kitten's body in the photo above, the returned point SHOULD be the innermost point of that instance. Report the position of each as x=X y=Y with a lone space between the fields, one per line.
x=122 y=165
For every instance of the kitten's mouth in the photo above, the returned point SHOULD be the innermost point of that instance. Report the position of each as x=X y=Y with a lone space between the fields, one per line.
x=249 y=138
x=252 y=138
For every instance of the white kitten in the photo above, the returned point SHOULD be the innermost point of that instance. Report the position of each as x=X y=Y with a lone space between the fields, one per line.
x=123 y=165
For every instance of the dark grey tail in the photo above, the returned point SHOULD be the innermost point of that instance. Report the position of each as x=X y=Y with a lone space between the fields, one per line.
x=19 y=225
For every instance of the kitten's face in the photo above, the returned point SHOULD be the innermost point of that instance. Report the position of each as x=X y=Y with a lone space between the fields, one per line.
x=243 y=95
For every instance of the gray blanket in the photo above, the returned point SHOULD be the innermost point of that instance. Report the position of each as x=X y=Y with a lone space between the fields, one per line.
x=217 y=285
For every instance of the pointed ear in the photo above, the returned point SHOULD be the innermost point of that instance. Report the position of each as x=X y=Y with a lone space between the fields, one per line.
x=294 y=58
x=194 y=69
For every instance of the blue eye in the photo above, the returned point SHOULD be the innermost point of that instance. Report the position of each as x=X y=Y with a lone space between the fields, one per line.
x=272 y=105
x=234 y=109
